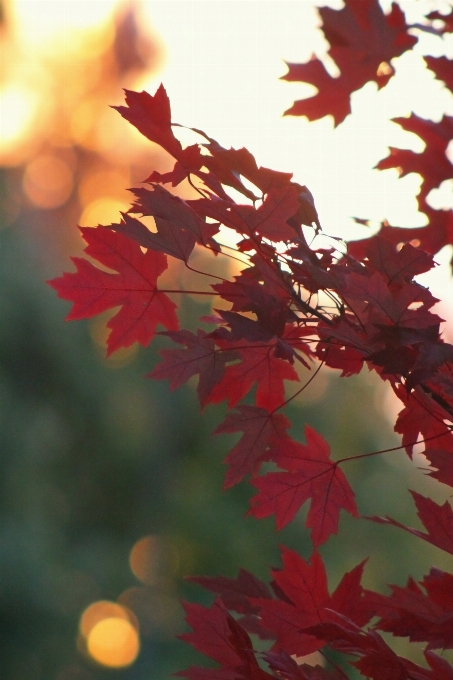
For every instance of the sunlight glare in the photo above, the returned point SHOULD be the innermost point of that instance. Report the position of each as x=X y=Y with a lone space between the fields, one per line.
x=44 y=21
x=18 y=108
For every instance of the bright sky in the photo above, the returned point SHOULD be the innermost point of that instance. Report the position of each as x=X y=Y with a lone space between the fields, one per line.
x=222 y=68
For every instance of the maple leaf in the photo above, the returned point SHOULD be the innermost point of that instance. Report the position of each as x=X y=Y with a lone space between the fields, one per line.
x=422 y=617
x=362 y=40
x=151 y=115
x=304 y=601
x=200 y=357
x=441 y=668
x=399 y=266
x=258 y=365
x=311 y=475
x=442 y=459
x=178 y=227
x=437 y=520
x=304 y=586
x=236 y=594
x=230 y=164
x=391 y=307
x=377 y=660
x=447 y=20
x=133 y=288
x=268 y=221
x=177 y=223
x=422 y=415
x=432 y=238
x=260 y=428
x=441 y=66
x=432 y=163
x=246 y=293
x=217 y=635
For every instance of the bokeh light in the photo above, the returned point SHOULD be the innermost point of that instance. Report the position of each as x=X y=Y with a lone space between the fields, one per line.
x=48 y=181
x=153 y=560
x=113 y=642
x=110 y=634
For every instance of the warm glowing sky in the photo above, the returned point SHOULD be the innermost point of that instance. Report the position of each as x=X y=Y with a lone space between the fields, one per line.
x=223 y=60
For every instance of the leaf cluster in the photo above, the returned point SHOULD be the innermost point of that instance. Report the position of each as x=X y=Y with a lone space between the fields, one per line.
x=294 y=304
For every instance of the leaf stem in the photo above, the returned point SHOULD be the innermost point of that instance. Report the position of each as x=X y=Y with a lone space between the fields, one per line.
x=395 y=448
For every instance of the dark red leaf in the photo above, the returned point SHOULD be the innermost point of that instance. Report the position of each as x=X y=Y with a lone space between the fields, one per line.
x=441 y=668
x=422 y=617
x=442 y=459
x=442 y=65
x=217 y=635
x=422 y=415
x=201 y=357
x=437 y=520
x=236 y=593
x=260 y=429
x=178 y=225
x=258 y=365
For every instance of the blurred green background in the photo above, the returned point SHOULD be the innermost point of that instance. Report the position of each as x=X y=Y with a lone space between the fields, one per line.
x=110 y=484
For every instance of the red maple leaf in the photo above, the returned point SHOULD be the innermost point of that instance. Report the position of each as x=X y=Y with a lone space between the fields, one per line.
x=399 y=266
x=437 y=520
x=151 y=115
x=432 y=163
x=311 y=475
x=236 y=594
x=304 y=601
x=441 y=668
x=362 y=40
x=219 y=636
x=212 y=635
x=442 y=459
x=258 y=365
x=200 y=357
x=422 y=415
x=432 y=238
x=133 y=287
x=230 y=164
x=260 y=429
x=420 y=616
x=441 y=66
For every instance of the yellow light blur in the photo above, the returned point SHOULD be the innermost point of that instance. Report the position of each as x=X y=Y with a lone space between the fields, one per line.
x=113 y=642
x=94 y=184
x=18 y=106
x=98 y=611
x=48 y=181
x=103 y=210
